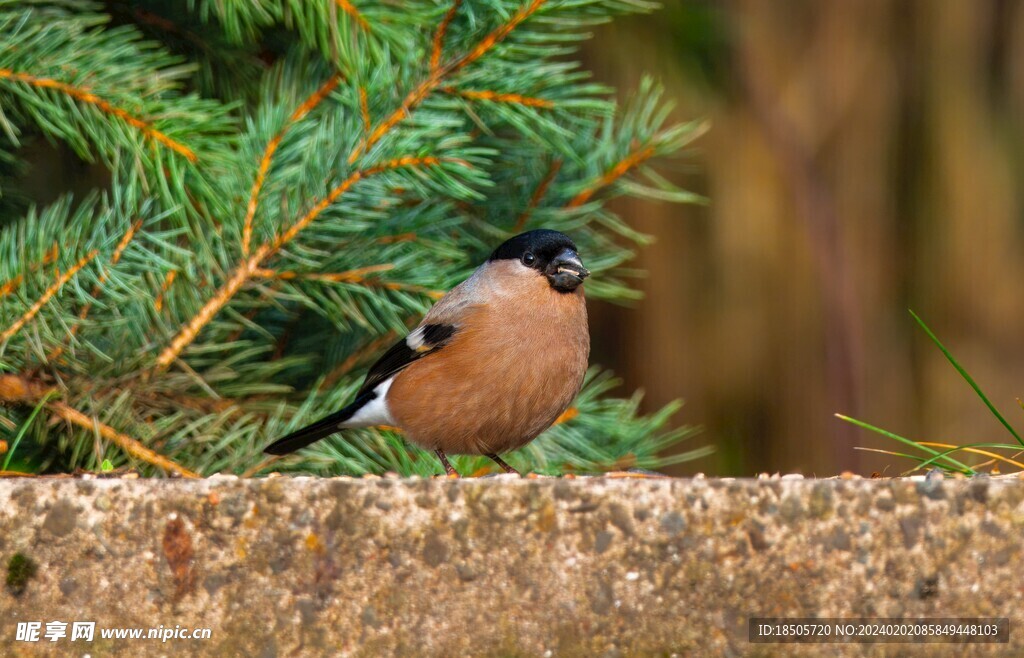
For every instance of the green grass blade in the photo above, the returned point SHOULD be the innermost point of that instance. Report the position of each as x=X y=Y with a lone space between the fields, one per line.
x=944 y=454
x=1003 y=446
x=968 y=378
x=21 y=433
x=893 y=453
x=959 y=466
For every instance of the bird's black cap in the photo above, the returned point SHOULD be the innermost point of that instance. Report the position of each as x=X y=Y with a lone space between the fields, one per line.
x=543 y=243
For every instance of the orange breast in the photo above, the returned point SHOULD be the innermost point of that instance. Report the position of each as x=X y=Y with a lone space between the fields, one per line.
x=512 y=368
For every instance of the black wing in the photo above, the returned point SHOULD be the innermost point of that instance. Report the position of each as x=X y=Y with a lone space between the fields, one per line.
x=318 y=430
x=431 y=337
x=428 y=339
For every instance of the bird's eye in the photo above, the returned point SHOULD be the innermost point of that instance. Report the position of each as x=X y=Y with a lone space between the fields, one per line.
x=529 y=259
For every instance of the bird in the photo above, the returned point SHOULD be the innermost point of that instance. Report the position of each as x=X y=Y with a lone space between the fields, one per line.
x=492 y=364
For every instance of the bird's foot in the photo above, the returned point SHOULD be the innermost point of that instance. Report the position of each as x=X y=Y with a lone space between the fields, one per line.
x=448 y=468
x=501 y=462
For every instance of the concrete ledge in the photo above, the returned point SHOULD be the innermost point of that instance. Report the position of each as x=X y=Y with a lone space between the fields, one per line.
x=584 y=567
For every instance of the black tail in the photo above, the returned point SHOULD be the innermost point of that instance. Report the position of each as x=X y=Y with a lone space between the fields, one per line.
x=324 y=427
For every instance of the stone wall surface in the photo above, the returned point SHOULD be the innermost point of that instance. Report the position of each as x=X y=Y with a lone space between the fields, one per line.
x=502 y=566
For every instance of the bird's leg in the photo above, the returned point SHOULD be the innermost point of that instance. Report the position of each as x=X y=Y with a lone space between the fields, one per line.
x=448 y=468
x=501 y=462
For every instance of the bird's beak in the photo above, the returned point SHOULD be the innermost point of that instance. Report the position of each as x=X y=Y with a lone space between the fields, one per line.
x=566 y=270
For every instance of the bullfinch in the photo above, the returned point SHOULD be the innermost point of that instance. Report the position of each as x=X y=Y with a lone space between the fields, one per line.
x=492 y=365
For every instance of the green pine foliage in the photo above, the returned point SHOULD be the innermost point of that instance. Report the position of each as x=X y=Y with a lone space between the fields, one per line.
x=292 y=185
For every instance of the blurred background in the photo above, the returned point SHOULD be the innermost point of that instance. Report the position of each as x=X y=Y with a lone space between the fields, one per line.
x=863 y=158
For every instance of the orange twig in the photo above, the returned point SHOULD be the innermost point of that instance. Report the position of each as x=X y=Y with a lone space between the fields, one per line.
x=538 y=194
x=315 y=98
x=19 y=390
x=350 y=9
x=46 y=296
x=356 y=276
x=410 y=287
x=253 y=470
x=401 y=237
x=350 y=276
x=364 y=109
x=497 y=35
x=168 y=282
x=88 y=97
x=425 y=88
x=188 y=333
x=414 y=98
x=976 y=451
x=305 y=108
x=566 y=416
x=12 y=285
x=442 y=29
x=114 y=259
x=496 y=97
x=397 y=163
x=122 y=441
x=248 y=268
x=634 y=159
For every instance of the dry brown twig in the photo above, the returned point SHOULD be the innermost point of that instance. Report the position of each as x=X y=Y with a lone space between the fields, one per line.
x=15 y=389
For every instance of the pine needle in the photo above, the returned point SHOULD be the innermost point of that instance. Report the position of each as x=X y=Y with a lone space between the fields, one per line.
x=967 y=377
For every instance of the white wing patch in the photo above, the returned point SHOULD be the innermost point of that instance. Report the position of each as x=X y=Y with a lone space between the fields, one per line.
x=415 y=339
x=374 y=412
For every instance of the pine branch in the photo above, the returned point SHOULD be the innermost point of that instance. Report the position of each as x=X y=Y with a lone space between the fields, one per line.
x=248 y=268
x=84 y=313
x=356 y=275
x=538 y=195
x=122 y=441
x=86 y=96
x=17 y=390
x=12 y=284
x=439 y=34
x=634 y=159
x=496 y=36
x=349 y=9
x=357 y=357
x=353 y=276
x=305 y=108
x=46 y=297
x=106 y=93
x=329 y=261
x=364 y=110
x=158 y=303
x=496 y=97
x=434 y=80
